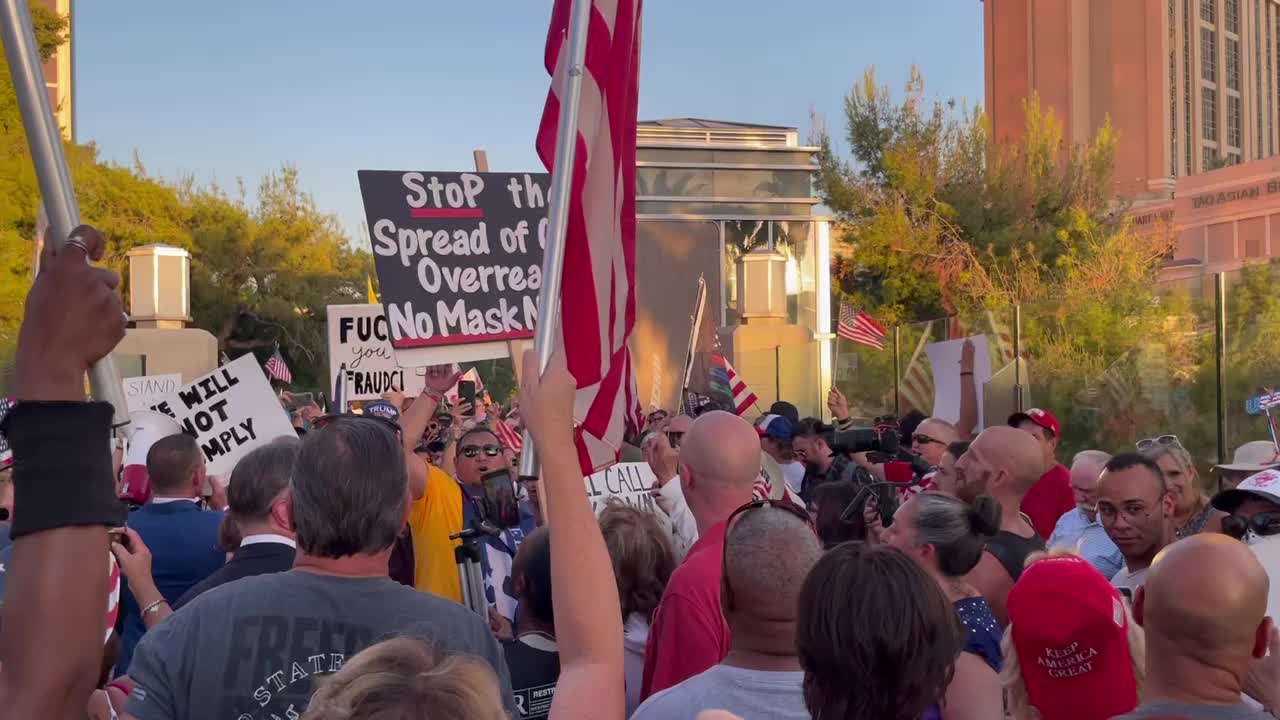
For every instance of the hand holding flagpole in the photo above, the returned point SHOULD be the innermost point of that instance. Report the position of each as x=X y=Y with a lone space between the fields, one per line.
x=45 y=140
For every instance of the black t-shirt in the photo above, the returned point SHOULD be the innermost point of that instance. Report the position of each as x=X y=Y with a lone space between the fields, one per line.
x=534 y=663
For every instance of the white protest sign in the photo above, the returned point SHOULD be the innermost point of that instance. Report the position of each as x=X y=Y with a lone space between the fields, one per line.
x=142 y=392
x=629 y=482
x=230 y=411
x=944 y=358
x=360 y=346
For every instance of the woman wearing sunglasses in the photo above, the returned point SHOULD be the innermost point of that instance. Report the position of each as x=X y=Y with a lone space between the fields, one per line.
x=1192 y=512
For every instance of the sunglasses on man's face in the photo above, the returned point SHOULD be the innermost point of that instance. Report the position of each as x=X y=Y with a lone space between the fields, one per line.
x=473 y=451
x=1264 y=524
x=925 y=439
x=324 y=420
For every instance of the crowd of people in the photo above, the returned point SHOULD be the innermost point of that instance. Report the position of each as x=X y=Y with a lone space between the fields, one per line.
x=787 y=572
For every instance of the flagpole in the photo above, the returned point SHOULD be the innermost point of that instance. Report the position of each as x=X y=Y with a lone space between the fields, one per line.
x=558 y=207
x=56 y=192
x=695 y=323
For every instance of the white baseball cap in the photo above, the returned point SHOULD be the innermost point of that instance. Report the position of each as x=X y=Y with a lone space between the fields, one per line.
x=1264 y=485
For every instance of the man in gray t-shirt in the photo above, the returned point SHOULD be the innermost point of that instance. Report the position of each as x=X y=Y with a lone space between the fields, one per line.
x=253 y=649
x=1182 y=711
x=767 y=554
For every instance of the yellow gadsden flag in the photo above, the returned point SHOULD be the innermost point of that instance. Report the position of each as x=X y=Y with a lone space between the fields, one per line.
x=373 y=296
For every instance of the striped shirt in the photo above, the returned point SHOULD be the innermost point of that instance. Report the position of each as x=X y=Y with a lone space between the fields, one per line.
x=1075 y=531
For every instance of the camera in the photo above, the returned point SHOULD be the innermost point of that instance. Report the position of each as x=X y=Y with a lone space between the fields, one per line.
x=860 y=440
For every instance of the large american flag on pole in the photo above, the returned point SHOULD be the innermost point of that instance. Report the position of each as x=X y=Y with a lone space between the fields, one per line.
x=597 y=295
x=859 y=327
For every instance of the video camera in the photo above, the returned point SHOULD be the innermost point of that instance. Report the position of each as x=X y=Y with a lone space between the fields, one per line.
x=860 y=440
x=881 y=442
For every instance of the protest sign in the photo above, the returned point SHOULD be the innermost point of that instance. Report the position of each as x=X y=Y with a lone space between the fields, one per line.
x=142 y=392
x=459 y=258
x=229 y=412
x=944 y=358
x=360 y=345
x=629 y=482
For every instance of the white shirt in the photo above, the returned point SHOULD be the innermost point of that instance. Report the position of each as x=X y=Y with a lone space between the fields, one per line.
x=162 y=501
x=267 y=538
x=793 y=473
x=1129 y=582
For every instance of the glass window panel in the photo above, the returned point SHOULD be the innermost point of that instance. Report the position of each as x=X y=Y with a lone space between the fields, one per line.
x=1209 y=113
x=1208 y=54
x=1233 y=64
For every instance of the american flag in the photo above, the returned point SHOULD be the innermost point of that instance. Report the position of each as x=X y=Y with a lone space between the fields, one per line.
x=859 y=327
x=507 y=434
x=276 y=369
x=916 y=385
x=743 y=398
x=597 y=290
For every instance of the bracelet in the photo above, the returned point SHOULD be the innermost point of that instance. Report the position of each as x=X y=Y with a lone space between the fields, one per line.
x=433 y=393
x=153 y=607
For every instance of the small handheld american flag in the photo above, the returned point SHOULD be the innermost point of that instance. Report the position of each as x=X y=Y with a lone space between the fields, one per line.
x=276 y=369
x=859 y=327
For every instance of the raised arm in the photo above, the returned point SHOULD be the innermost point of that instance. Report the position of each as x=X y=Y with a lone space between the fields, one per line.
x=584 y=593
x=968 y=421
x=56 y=602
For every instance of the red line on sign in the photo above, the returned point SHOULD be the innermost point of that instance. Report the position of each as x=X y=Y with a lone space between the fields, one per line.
x=459 y=339
x=446 y=212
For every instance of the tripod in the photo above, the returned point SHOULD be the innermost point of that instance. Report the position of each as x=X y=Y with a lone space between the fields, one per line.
x=470 y=572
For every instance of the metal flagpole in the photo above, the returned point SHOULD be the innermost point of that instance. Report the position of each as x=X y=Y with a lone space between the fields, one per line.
x=558 y=210
x=45 y=140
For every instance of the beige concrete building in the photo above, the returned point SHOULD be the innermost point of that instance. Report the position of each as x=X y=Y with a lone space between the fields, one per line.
x=59 y=71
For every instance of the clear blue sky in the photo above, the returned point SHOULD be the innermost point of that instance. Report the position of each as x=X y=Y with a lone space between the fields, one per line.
x=233 y=89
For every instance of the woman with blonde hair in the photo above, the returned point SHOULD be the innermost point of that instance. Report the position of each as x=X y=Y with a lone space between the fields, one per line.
x=399 y=679
x=643 y=560
x=1072 y=650
x=1192 y=512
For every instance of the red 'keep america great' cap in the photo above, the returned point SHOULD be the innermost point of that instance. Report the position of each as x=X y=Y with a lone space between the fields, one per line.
x=1070 y=631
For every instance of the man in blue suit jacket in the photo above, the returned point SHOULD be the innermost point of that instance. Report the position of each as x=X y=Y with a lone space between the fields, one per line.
x=182 y=536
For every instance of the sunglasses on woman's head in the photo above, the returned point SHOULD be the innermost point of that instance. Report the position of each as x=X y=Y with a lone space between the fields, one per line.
x=1163 y=441
x=1264 y=524
x=472 y=451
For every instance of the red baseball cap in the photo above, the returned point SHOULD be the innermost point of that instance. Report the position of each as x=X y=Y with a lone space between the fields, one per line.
x=1043 y=418
x=1071 y=632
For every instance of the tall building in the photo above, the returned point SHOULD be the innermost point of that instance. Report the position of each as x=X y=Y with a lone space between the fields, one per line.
x=59 y=71
x=1192 y=88
x=1190 y=85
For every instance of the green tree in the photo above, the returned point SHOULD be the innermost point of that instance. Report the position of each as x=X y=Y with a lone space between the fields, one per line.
x=941 y=221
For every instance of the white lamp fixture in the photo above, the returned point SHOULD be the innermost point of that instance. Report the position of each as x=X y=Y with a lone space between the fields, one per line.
x=762 y=288
x=159 y=286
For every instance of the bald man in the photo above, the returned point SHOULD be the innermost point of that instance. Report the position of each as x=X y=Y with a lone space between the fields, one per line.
x=1203 y=610
x=1005 y=463
x=767 y=554
x=718 y=467
x=931 y=438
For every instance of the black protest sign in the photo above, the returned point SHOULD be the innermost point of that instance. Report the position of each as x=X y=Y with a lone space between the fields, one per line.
x=458 y=255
